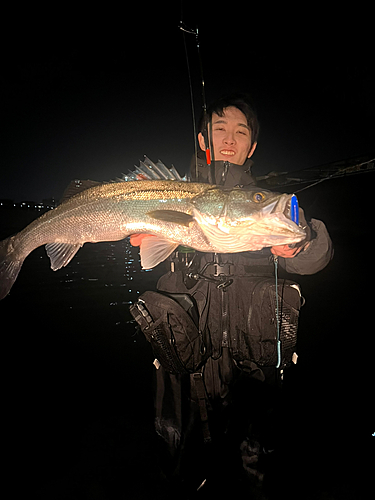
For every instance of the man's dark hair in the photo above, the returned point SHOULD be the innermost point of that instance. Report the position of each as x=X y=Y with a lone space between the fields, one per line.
x=240 y=101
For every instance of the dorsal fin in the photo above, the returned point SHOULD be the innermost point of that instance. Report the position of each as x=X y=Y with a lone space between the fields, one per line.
x=159 y=168
x=77 y=186
x=148 y=170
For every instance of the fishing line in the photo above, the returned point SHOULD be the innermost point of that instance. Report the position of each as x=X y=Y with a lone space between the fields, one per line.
x=184 y=30
x=183 y=27
x=278 y=341
x=340 y=173
x=317 y=182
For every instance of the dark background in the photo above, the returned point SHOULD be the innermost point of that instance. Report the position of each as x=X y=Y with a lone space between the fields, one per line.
x=85 y=95
x=77 y=387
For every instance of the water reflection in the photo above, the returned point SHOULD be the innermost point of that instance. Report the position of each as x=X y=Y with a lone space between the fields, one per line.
x=74 y=355
x=109 y=276
x=103 y=279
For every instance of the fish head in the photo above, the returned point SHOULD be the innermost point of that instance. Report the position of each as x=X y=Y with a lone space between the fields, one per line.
x=252 y=218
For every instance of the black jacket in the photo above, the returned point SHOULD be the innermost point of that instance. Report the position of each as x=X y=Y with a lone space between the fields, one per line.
x=225 y=312
x=310 y=261
x=226 y=174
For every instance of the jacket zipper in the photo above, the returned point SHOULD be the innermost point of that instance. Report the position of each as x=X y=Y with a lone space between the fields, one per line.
x=224 y=318
x=226 y=166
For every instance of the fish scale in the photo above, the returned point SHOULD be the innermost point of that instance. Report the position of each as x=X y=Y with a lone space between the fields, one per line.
x=173 y=212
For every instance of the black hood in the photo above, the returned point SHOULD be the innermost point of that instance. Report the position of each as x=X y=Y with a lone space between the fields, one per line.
x=226 y=174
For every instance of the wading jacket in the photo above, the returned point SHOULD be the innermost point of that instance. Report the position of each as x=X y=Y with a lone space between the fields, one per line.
x=225 y=311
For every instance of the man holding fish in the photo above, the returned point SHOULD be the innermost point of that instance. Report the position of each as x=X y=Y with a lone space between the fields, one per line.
x=240 y=388
x=230 y=231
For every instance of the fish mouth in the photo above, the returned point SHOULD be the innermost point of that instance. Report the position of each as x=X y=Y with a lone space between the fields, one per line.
x=286 y=205
x=279 y=218
x=270 y=225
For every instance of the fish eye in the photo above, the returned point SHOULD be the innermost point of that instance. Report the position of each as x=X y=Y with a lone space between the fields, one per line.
x=258 y=197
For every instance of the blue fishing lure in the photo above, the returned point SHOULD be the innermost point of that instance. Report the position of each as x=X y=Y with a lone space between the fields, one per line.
x=294 y=212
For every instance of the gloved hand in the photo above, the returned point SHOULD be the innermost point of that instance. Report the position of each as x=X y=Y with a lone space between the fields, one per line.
x=136 y=239
x=287 y=252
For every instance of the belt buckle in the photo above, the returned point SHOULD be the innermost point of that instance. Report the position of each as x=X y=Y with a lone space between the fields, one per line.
x=220 y=270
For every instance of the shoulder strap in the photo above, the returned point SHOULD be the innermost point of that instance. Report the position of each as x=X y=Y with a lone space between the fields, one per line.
x=201 y=396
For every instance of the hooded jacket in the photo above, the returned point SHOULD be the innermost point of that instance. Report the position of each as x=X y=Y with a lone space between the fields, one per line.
x=225 y=312
x=309 y=261
x=226 y=174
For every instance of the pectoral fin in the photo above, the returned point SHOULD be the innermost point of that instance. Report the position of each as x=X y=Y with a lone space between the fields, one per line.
x=154 y=250
x=61 y=254
x=180 y=218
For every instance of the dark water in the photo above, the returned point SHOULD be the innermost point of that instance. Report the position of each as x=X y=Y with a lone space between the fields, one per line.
x=77 y=379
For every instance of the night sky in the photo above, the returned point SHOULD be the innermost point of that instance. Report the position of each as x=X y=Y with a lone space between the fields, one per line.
x=87 y=94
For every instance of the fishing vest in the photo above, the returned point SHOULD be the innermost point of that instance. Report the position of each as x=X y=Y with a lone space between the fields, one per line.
x=253 y=317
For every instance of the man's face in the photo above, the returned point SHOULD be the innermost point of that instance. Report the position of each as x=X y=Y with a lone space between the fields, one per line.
x=231 y=137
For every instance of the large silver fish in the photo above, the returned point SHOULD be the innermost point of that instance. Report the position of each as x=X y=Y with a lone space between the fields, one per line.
x=201 y=216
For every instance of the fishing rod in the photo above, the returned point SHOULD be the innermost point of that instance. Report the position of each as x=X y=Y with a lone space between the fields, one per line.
x=291 y=178
x=206 y=136
x=341 y=173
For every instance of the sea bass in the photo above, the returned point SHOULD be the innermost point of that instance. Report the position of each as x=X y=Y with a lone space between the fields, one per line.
x=201 y=216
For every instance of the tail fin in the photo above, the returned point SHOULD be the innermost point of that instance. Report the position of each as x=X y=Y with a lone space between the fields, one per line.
x=9 y=267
